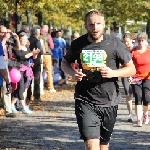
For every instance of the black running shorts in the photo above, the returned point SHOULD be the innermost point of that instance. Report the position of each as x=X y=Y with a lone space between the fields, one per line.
x=95 y=122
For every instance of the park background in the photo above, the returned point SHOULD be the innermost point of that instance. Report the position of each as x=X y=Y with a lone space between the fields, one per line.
x=121 y=16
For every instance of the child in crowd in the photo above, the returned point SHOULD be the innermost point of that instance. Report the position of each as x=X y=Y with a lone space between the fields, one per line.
x=57 y=78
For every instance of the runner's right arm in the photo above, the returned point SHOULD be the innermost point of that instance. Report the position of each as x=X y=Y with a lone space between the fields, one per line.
x=67 y=68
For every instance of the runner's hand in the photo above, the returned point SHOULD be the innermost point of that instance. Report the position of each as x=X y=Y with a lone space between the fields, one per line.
x=106 y=72
x=79 y=74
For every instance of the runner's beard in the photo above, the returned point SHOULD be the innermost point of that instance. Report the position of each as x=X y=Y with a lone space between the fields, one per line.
x=94 y=38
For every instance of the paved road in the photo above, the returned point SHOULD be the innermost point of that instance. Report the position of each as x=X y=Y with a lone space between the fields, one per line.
x=54 y=128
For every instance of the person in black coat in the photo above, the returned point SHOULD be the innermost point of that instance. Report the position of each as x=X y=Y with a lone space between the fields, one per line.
x=35 y=43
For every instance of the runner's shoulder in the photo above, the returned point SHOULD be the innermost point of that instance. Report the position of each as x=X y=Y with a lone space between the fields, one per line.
x=111 y=37
x=79 y=41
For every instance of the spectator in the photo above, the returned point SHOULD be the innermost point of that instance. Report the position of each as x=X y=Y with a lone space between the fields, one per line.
x=56 y=72
x=22 y=54
x=47 y=58
x=26 y=29
x=57 y=78
x=76 y=35
x=59 y=47
x=3 y=69
x=59 y=51
x=41 y=75
x=34 y=44
x=6 y=97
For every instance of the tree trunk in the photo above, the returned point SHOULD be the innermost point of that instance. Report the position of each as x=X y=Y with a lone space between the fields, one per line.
x=148 y=28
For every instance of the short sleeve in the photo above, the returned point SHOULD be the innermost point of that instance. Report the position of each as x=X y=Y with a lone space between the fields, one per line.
x=123 y=53
x=64 y=43
x=75 y=48
x=71 y=54
x=38 y=45
x=1 y=49
x=41 y=41
x=20 y=54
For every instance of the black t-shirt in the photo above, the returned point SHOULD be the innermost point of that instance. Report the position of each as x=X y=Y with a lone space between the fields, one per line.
x=20 y=56
x=35 y=43
x=104 y=92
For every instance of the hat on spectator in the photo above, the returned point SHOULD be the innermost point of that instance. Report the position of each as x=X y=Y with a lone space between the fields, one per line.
x=23 y=33
x=20 y=32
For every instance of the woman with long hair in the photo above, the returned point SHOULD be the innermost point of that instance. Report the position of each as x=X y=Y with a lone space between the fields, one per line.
x=22 y=54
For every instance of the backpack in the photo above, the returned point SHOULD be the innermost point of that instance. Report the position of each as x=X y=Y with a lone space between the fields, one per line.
x=44 y=37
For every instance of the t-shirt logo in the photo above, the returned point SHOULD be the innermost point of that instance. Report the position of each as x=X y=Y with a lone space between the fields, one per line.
x=93 y=59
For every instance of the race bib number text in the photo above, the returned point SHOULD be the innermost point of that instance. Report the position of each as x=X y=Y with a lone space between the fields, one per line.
x=93 y=58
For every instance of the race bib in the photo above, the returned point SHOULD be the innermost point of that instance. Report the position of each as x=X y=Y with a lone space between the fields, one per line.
x=93 y=58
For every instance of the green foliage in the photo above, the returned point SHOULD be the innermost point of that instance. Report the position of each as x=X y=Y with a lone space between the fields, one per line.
x=71 y=12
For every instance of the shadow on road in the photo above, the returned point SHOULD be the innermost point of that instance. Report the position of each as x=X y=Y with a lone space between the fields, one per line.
x=53 y=127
